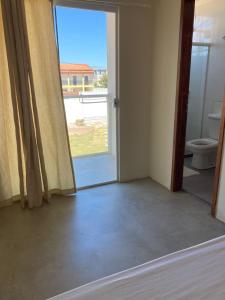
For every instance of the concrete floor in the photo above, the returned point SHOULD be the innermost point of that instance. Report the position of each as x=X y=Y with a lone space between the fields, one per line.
x=200 y=184
x=75 y=240
x=95 y=169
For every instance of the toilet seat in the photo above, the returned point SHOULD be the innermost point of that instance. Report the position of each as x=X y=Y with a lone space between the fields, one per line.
x=204 y=153
x=202 y=144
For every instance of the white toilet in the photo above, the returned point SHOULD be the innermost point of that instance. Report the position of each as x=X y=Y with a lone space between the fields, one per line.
x=204 y=150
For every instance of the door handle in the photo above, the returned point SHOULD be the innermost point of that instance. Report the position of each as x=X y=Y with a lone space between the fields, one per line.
x=116 y=102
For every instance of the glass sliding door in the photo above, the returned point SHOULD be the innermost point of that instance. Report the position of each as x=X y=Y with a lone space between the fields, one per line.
x=87 y=51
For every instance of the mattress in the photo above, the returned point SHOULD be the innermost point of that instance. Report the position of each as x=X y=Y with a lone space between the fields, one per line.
x=195 y=273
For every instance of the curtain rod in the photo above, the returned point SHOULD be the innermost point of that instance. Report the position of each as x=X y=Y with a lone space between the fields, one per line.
x=102 y=2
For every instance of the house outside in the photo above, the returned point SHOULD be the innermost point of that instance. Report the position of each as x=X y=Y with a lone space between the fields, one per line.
x=99 y=73
x=76 y=78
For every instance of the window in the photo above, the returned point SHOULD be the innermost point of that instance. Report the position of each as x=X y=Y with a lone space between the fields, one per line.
x=74 y=80
x=79 y=80
x=86 y=80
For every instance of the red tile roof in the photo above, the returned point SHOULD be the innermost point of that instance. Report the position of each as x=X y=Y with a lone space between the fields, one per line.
x=76 y=69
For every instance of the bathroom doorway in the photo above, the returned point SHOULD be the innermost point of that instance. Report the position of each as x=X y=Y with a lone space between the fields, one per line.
x=200 y=123
x=202 y=132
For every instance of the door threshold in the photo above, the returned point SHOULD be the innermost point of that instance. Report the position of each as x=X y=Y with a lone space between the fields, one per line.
x=96 y=185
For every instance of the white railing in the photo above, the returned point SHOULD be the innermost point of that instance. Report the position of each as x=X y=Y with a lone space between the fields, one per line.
x=90 y=99
x=91 y=108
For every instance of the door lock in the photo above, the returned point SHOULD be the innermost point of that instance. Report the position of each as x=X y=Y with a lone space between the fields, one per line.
x=116 y=102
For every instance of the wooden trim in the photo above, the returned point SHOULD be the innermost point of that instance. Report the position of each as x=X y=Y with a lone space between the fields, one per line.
x=183 y=81
x=218 y=162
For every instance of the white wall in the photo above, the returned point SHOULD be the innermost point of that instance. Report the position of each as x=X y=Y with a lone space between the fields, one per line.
x=134 y=86
x=165 y=42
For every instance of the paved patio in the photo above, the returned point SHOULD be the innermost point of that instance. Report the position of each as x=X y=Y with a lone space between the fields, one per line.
x=94 y=169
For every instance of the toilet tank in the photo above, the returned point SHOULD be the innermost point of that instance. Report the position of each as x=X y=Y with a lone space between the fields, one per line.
x=214 y=126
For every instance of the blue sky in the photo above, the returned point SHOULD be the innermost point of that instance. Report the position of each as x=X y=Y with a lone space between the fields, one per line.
x=82 y=36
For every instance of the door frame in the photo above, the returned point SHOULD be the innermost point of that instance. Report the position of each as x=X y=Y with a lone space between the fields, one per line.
x=218 y=162
x=183 y=82
x=110 y=8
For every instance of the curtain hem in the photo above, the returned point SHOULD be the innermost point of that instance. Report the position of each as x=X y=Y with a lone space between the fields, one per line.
x=17 y=198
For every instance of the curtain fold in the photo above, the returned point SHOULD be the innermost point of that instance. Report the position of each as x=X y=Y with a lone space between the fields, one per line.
x=43 y=158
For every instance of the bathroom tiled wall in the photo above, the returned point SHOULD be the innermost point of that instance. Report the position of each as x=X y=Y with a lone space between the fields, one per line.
x=210 y=27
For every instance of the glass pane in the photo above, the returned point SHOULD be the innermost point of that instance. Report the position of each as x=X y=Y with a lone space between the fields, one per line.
x=89 y=89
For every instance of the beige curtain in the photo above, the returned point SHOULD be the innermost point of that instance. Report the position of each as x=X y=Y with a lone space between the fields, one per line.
x=35 y=159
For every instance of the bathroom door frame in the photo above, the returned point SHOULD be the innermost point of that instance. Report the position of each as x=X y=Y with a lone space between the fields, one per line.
x=180 y=124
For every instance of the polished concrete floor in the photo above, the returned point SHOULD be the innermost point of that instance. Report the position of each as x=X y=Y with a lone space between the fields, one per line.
x=95 y=169
x=200 y=183
x=75 y=240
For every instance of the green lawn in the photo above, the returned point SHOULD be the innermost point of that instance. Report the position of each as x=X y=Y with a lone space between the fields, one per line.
x=92 y=142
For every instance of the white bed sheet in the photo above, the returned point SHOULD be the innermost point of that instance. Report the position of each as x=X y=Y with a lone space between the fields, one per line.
x=194 y=273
